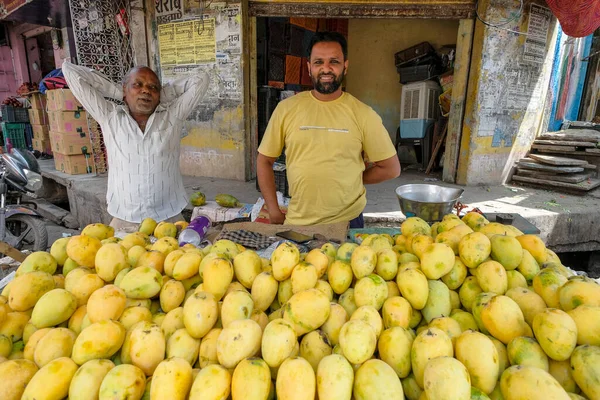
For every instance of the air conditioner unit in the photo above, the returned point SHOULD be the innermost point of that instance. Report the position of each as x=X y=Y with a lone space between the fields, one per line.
x=418 y=109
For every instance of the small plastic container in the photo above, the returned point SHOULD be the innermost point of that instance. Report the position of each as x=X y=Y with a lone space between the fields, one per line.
x=196 y=231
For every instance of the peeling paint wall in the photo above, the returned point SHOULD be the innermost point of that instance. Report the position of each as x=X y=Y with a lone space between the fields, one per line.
x=372 y=43
x=215 y=145
x=507 y=91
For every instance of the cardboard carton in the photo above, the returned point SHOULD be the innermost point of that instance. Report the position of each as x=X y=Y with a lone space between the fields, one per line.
x=42 y=145
x=70 y=143
x=62 y=100
x=74 y=165
x=41 y=131
x=37 y=116
x=38 y=101
x=68 y=121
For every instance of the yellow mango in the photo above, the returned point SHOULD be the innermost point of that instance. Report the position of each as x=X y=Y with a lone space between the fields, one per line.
x=212 y=382
x=208 y=348
x=528 y=267
x=503 y=318
x=412 y=391
x=86 y=382
x=106 y=303
x=556 y=332
x=28 y=288
x=396 y=311
x=414 y=225
x=133 y=315
x=437 y=260
x=142 y=283
x=296 y=380
x=529 y=302
x=376 y=380
x=247 y=342
x=217 y=276
x=492 y=277
x=85 y=286
x=15 y=375
x=585 y=367
x=575 y=293
x=147 y=346
x=110 y=259
x=547 y=284
x=438 y=301
x=335 y=378
x=236 y=305
x=172 y=379
x=474 y=248
x=340 y=276
x=482 y=365
x=51 y=381
x=446 y=378
x=429 y=344
x=56 y=343
x=58 y=250
x=165 y=245
x=124 y=381
x=587 y=320
x=99 y=340
x=283 y=260
x=527 y=351
x=534 y=245
x=307 y=310
x=414 y=287
x=37 y=261
x=82 y=250
x=319 y=259
x=200 y=314
x=394 y=348
x=522 y=382
x=506 y=250
x=561 y=371
x=475 y=220
x=363 y=261
x=53 y=308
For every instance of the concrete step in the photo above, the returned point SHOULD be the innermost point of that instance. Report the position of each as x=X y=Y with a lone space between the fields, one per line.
x=56 y=214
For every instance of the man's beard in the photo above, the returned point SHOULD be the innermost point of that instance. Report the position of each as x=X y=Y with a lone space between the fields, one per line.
x=328 y=87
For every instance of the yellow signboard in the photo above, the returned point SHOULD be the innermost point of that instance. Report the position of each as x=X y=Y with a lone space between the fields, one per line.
x=187 y=42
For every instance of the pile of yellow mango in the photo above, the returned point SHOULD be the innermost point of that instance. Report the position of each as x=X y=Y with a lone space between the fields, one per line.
x=464 y=309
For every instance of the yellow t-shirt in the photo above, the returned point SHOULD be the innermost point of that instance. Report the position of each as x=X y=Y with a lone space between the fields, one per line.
x=324 y=141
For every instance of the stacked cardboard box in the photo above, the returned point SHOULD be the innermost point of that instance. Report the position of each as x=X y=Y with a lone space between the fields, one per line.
x=69 y=133
x=38 y=117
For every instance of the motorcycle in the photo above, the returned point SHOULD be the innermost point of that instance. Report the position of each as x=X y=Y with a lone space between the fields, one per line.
x=20 y=224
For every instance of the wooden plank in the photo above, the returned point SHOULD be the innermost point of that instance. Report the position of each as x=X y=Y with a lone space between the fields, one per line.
x=10 y=251
x=571 y=153
x=579 y=135
x=593 y=151
x=548 y=168
x=584 y=186
x=438 y=145
x=586 y=166
x=568 y=178
x=462 y=63
x=559 y=149
x=559 y=161
x=564 y=143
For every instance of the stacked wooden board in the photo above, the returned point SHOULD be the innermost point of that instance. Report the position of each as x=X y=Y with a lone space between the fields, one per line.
x=548 y=167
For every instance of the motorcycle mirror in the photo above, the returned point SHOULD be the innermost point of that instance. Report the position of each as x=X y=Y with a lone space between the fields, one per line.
x=14 y=169
x=26 y=159
x=34 y=181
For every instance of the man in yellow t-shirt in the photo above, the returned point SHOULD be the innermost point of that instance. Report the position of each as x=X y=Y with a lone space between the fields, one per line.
x=325 y=133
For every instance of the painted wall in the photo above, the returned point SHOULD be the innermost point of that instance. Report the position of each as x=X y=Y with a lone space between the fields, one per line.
x=372 y=43
x=506 y=95
x=215 y=145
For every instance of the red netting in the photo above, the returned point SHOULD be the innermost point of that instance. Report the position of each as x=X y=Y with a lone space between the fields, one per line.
x=578 y=18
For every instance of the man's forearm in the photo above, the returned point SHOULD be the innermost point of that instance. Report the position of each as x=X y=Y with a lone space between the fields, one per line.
x=266 y=181
x=91 y=79
x=377 y=174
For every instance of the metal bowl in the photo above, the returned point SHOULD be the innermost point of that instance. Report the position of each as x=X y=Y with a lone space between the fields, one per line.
x=429 y=202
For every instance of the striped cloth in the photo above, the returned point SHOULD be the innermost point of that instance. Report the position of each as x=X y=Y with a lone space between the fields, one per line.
x=578 y=18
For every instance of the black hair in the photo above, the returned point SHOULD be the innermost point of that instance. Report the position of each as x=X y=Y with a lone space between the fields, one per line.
x=335 y=37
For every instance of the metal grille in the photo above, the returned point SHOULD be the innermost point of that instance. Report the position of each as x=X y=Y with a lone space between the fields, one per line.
x=101 y=45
